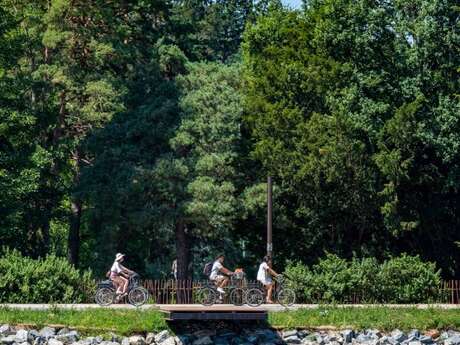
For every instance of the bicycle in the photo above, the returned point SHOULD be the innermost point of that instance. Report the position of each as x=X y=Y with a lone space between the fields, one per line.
x=106 y=292
x=208 y=295
x=283 y=295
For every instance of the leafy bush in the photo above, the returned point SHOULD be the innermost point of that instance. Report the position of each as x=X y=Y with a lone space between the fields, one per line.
x=405 y=279
x=408 y=280
x=48 y=280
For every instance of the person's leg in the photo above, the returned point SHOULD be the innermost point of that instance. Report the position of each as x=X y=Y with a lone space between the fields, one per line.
x=124 y=284
x=269 y=288
x=118 y=285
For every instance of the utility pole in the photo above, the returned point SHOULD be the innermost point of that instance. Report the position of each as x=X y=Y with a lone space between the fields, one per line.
x=269 y=216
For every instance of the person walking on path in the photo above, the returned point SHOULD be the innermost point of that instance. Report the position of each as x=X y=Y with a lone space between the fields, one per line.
x=264 y=275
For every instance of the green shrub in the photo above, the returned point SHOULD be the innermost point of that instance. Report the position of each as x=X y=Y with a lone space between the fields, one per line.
x=408 y=279
x=48 y=280
x=405 y=279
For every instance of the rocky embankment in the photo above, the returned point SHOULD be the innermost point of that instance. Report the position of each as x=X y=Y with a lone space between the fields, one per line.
x=246 y=336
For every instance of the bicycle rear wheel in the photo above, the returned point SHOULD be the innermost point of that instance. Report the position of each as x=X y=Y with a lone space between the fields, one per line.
x=138 y=296
x=254 y=297
x=206 y=296
x=105 y=296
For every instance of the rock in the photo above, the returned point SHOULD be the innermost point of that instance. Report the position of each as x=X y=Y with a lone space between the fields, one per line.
x=136 y=340
x=398 y=336
x=115 y=338
x=362 y=338
x=290 y=333
x=32 y=335
x=39 y=341
x=425 y=339
x=64 y=330
x=415 y=333
x=432 y=333
x=348 y=335
x=47 y=332
x=68 y=338
x=204 y=333
x=453 y=340
x=53 y=341
x=221 y=340
x=415 y=342
x=169 y=341
x=293 y=339
x=306 y=341
x=86 y=341
x=253 y=339
x=6 y=330
x=21 y=336
x=182 y=339
x=206 y=340
x=10 y=339
x=125 y=341
x=160 y=337
x=302 y=334
x=109 y=343
x=24 y=343
x=150 y=338
x=374 y=334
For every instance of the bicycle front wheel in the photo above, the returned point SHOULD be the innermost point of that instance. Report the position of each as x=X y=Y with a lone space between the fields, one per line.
x=138 y=296
x=286 y=297
x=254 y=297
x=105 y=296
x=237 y=296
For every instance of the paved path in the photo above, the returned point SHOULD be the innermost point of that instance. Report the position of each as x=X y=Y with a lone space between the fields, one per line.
x=274 y=307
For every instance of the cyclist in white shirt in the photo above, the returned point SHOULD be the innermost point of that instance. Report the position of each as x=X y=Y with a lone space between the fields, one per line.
x=117 y=275
x=264 y=276
x=219 y=274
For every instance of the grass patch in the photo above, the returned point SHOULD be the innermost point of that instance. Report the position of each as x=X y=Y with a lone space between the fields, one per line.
x=93 y=321
x=382 y=318
x=126 y=322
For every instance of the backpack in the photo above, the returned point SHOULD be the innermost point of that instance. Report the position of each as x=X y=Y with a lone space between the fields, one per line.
x=207 y=269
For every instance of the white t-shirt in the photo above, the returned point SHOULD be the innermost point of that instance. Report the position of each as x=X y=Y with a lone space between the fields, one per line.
x=116 y=268
x=215 y=271
x=262 y=274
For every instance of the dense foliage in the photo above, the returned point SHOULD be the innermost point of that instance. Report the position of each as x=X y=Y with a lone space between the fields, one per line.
x=149 y=127
x=404 y=279
x=47 y=280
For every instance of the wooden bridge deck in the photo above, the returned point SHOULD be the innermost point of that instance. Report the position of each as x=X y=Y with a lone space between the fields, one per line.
x=175 y=312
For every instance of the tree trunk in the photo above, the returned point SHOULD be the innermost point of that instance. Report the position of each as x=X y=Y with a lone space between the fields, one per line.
x=182 y=251
x=75 y=217
x=74 y=231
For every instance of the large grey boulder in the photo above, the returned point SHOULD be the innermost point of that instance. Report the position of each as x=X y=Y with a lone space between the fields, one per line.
x=21 y=336
x=293 y=339
x=221 y=340
x=53 y=341
x=289 y=333
x=125 y=341
x=136 y=340
x=452 y=340
x=425 y=339
x=348 y=335
x=6 y=330
x=160 y=337
x=150 y=338
x=398 y=336
x=69 y=337
x=47 y=332
x=9 y=339
x=415 y=333
x=206 y=340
